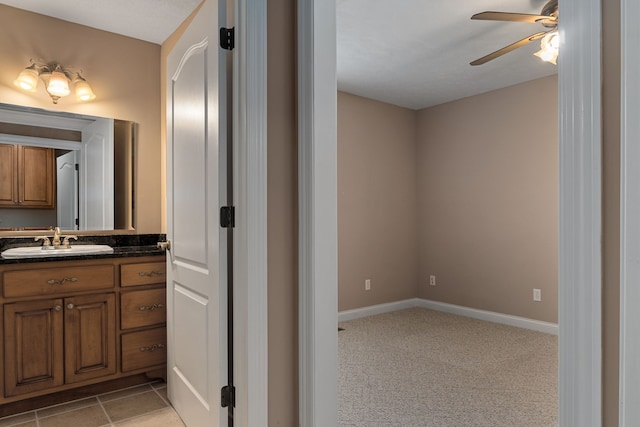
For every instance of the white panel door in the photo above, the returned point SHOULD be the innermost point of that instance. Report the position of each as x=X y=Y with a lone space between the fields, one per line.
x=96 y=172
x=67 y=192
x=196 y=273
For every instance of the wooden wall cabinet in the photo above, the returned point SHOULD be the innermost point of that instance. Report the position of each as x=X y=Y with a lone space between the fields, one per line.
x=27 y=176
x=105 y=321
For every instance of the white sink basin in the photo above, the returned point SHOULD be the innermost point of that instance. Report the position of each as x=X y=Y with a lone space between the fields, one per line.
x=38 y=252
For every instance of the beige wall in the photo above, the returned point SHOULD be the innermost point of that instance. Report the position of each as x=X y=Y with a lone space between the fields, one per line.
x=487 y=200
x=123 y=72
x=377 y=203
x=282 y=219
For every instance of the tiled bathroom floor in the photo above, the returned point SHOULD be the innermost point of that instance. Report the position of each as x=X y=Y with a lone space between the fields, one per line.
x=140 y=406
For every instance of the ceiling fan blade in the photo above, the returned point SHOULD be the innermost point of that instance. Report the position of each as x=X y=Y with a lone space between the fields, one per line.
x=508 y=49
x=512 y=17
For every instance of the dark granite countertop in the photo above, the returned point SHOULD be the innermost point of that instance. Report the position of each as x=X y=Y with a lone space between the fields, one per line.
x=124 y=245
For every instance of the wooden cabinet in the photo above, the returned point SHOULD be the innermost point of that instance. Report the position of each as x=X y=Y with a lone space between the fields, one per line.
x=67 y=324
x=33 y=346
x=143 y=315
x=89 y=337
x=27 y=176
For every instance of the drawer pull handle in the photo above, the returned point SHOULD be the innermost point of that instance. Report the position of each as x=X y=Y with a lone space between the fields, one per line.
x=63 y=281
x=57 y=308
x=150 y=273
x=70 y=306
x=151 y=307
x=152 y=348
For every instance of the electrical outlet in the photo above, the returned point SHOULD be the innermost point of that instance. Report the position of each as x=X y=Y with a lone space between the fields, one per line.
x=432 y=280
x=537 y=295
x=367 y=285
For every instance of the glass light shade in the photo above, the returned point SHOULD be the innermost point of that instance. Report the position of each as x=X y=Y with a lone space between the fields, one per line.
x=549 y=47
x=83 y=90
x=28 y=79
x=58 y=84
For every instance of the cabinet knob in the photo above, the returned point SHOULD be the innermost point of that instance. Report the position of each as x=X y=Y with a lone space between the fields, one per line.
x=70 y=306
x=57 y=308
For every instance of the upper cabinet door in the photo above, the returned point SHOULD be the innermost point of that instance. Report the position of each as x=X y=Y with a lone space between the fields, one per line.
x=8 y=174
x=27 y=177
x=36 y=181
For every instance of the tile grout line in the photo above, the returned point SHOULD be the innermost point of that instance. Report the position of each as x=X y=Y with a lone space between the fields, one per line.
x=105 y=412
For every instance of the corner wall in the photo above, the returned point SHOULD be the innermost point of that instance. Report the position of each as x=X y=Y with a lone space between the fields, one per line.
x=488 y=200
x=377 y=202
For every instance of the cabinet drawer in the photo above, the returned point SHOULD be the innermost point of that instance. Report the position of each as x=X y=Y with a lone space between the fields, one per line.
x=143 y=308
x=47 y=281
x=144 y=349
x=142 y=274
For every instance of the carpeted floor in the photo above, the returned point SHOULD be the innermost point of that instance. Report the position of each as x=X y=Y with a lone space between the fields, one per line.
x=419 y=367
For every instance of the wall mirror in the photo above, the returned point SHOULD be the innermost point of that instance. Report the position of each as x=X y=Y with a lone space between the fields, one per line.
x=67 y=170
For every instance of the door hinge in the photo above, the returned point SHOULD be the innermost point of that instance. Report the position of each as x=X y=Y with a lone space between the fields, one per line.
x=227 y=38
x=77 y=166
x=228 y=396
x=227 y=217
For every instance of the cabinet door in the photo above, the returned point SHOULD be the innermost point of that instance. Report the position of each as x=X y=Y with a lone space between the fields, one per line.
x=8 y=175
x=33 y=350
x=90 y=340
x=36 y=177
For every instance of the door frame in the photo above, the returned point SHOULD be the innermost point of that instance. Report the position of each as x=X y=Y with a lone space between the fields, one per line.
x=579 y=251
x=629 y=410
x=250 y=200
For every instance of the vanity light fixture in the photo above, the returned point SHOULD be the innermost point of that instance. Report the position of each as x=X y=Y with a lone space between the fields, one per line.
x=57 y=81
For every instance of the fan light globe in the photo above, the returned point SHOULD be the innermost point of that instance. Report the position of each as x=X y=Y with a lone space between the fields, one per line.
x=549 y=47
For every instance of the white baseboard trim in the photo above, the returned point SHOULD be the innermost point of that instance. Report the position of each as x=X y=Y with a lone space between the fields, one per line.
x=372 y=310
x=490 y=316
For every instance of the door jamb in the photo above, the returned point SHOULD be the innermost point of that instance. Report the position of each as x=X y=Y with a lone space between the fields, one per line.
x=579 y=277
x=250 y=198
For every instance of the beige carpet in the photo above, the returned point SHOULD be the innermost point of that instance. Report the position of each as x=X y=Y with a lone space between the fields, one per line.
x=419 y=367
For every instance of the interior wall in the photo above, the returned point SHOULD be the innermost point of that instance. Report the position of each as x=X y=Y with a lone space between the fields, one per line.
x=282 y=214
x=123 y=72
x=377 y=202
x=611 y=210
x=488 y=200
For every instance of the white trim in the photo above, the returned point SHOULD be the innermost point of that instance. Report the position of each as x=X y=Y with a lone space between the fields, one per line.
x=372 y=310
x=629 y=398
x=318 y=223
x=475 y=313
x=491 y=316
x=579 y=249
x=250 y=198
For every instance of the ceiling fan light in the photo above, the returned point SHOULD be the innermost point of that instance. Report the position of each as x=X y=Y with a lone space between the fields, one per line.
x=549 y=48
x=28 y=79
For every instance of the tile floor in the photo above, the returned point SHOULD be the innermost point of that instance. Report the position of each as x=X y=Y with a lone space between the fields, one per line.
x=140 y=406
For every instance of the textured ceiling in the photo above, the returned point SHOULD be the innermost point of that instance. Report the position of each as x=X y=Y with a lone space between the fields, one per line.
x=416 y=53
x=412 y=53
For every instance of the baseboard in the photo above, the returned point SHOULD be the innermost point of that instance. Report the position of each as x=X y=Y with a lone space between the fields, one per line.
x=490 y=316
x=372 y=310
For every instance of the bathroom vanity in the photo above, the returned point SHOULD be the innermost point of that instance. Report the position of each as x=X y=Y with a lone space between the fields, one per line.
x=69 y=322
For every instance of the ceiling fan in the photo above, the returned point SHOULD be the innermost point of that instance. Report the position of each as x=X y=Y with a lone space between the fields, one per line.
x=548 y=18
